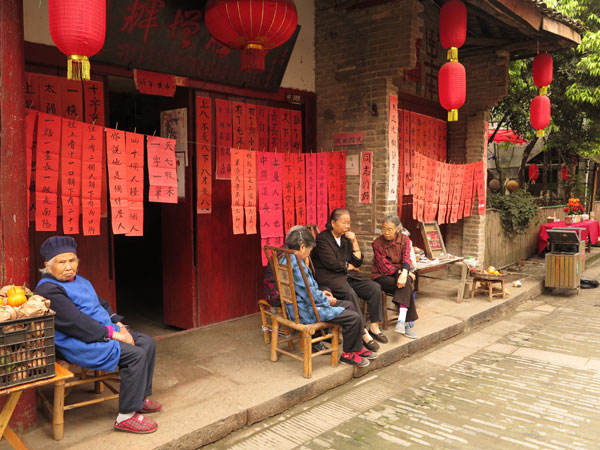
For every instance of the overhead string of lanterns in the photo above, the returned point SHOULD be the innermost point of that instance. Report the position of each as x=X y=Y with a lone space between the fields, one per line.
x=540 y=105
x=78 y=29
x=252 y=27
x=452 y=79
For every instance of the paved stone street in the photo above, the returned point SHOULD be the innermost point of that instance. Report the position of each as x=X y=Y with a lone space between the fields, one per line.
x=528 y=380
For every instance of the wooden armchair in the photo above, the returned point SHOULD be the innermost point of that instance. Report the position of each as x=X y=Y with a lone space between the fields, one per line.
x=281 y=260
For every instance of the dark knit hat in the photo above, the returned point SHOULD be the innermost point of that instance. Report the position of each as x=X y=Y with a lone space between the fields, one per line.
x=56 y=245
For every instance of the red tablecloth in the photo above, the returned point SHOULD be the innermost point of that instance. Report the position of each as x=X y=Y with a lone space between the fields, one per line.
x=592 y=230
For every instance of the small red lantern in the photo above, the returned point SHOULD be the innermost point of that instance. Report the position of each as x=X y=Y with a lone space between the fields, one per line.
x=251 y=26
x=534 y=173
x=452 y=87
x=78 y=28
x=453 y=27
x=543 y=67
x=564 y=173
x=540 y=114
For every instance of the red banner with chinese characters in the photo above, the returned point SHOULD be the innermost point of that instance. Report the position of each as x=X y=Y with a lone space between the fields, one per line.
x=237 y=190
x=50 y=94
x=287 y=184
x=251 y=127
x=71 y=145
x=154 y=83
x=270 y=196
x=46 y=175
x=322 y=159
x=300 y=188
x=286 y=130
x=71 y=99
x=468 y=189
x=311 y=188
x=32 y=92
x=134 y=153
x=93 y=98
x=250 y=186
x=296 y=131
x=204 y=155
x=274 y=130
x=262 y=124
x=392 y=193
x=480 y=183
x=224 y=137
x=162 y=170
x=345 y=139
x=91 y=175
x=116 y=160
x=406 y=152
x=340 y=161
x=366 y=159
x=238 y=122
x=30 y=118
x=332 y=183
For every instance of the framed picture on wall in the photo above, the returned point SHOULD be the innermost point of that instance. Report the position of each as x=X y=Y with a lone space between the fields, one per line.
x=432 y=237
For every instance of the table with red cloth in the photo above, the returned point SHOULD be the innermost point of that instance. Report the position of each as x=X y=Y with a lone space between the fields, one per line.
x=591 y=230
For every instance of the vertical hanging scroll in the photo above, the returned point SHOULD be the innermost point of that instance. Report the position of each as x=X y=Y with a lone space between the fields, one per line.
x=393 y=149
x=134 y=157
x=237 y=190
x=251 y=127
x=238 y=121
x=224 y=139
x=91 y=176
x=71 y=142
x=365 y=176
x=340 y=161
x=250 y=200
x=46 y=176
x=287 y=183
x=162 y=170
x=274 y=130
x=117 y=180
x=93 y=98
x=286 y=130
x=311 y=188
x=406 y=152
x=297 y=131
x=30 y=118
x=322 y=159
x=332 y=183
x=300 y=188
x=270 y=198
x=204 y=155
x=262 y=124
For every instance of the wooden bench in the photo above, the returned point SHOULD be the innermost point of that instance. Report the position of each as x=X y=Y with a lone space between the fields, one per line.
x=58 y=406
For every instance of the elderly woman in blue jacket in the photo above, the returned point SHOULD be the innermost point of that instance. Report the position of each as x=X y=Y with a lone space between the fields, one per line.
x=88 y=333
x=330 y=309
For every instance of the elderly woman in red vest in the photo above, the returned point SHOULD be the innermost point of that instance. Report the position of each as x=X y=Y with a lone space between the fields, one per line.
x=391 y=269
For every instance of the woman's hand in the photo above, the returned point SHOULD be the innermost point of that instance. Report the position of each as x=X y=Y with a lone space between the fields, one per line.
x=125 y=331
x=351 y=267
x=402 y=279
x=123 y=337
x=350 y=235
x=330 y=297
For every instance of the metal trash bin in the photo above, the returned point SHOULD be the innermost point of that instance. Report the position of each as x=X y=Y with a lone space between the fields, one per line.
x=563 y=262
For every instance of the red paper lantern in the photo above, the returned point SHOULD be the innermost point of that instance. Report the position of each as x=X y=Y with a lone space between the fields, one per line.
x=452 y=88
x=78 y=28
x=534 y=173
x=542 y=71
x=540 y=114
x=564 y=173
x=453 y=27
x=251 y=26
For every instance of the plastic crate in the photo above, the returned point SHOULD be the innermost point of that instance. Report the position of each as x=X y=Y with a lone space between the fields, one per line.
x=26 y=350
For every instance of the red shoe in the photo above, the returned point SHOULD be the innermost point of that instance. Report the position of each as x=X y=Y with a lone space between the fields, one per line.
x=150 y=407
x=354 y=359
x=367 y=354
x=137 y=424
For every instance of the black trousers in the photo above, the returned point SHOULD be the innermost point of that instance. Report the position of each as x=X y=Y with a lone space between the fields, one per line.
x=352 y=328
x=136 y=367
x=366 y=289
x=402 y=296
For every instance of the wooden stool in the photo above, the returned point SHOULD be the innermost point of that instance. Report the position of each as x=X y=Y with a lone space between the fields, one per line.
x=486 y=285
x=57 y=408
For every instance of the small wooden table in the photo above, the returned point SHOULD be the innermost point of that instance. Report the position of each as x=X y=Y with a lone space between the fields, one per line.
x=422 y=268
x=14 y=394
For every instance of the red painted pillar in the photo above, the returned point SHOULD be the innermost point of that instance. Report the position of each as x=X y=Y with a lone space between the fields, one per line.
x=14 y=234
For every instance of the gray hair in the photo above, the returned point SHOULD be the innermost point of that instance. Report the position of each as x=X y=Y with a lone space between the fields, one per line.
x=299 y=235
x=395 y=220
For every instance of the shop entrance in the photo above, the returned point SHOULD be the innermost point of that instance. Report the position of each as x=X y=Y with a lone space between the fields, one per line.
x=138 y=261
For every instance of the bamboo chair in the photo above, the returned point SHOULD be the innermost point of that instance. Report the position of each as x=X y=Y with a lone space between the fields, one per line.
x=100 y=379
x=282 y=262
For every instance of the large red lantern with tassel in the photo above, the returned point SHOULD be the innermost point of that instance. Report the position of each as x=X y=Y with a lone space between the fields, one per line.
x=78 y=28
x=564 y=173
x=534 y=173
x=540 y=114
x=452 y=88
x=453 y=27
x=543 y=67
x=251 y=26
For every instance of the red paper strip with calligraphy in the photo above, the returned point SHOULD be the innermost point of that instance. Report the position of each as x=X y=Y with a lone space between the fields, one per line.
x=162 y=170
x=32 y=92
x=287 y=182
x=154 y=83
x=237 y=190
x=71 y=99
x=251 y=127
x=238 y=122
x=311 y=188
x=224 y=137
x=274 y=130
x=322 y=161
x=30 y=119
x=134 y=152
x=50 y=94
x=250 y=187
x=262 y=124
x=46 y=175
x=300 y=188
x=71 y=147
x=286 y=130
x=340 y=162
x=91 y=176
x=297 y=132
x=366 y=160
x=93 y=100
x=393 y=158
x=117 y=180
x=204 y=155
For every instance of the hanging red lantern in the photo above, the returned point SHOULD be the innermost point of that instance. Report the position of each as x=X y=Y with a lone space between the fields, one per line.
x=452 y=87
x=543 y=67
x=251 y=26
x=534 y=173
x=540 y=114
x=78 y=28
x=564 y=173
x=453 y=27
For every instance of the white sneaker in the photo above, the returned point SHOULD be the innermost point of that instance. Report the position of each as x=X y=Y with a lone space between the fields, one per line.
x=409 y=332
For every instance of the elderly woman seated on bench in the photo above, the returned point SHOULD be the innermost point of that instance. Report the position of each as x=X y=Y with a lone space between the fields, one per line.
x=88 y=333
x=330 y=309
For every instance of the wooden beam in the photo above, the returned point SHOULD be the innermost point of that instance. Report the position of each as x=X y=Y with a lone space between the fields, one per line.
x=555 y=27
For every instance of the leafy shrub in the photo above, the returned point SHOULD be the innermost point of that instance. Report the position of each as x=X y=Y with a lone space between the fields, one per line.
x=517 y=210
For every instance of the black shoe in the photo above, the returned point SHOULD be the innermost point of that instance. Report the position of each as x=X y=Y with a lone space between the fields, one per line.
x=379 y=337
x=354 y=359
x=371 y=345
x=318 y=347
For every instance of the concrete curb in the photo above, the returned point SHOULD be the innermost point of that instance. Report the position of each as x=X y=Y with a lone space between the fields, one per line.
x=221 y=428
